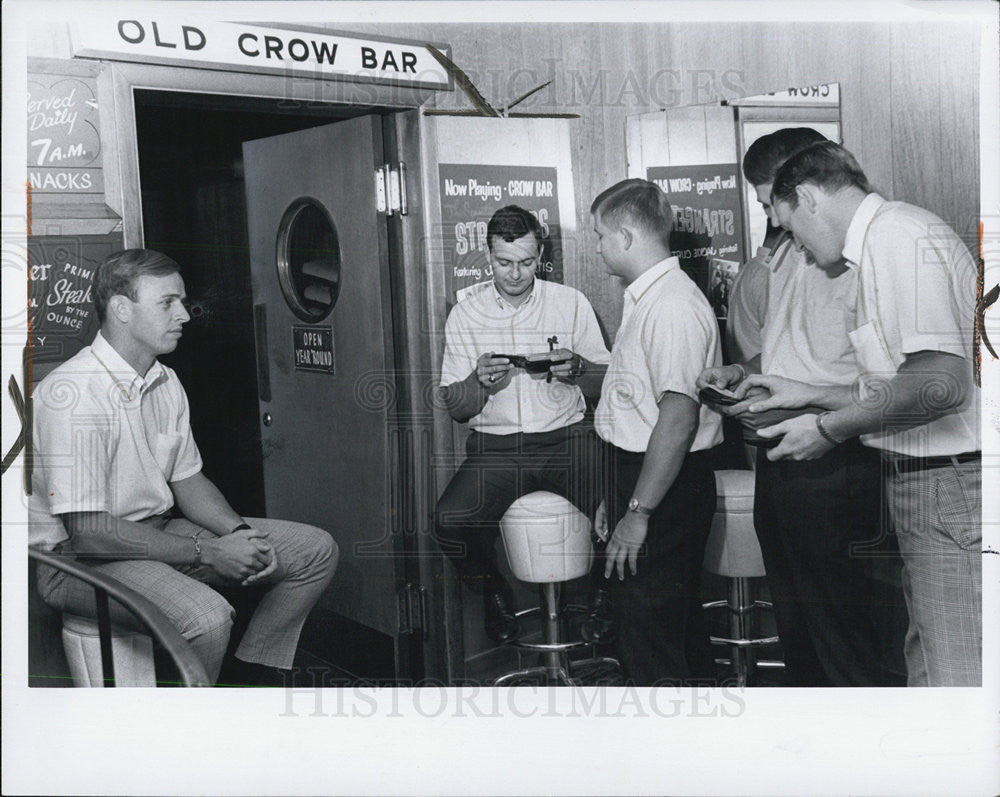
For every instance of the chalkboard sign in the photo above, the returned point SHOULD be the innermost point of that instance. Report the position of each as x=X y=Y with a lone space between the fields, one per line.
x=64 y=143
x=471 y=194
x=61 y=315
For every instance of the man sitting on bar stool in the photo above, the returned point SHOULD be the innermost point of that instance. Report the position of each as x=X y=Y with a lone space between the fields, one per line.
x=115 y=463
x=526 y=416
x=915 y=401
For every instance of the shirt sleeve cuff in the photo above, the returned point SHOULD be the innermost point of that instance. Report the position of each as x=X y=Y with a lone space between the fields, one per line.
x=185 y=474
x=68 y=507
x=915 y=343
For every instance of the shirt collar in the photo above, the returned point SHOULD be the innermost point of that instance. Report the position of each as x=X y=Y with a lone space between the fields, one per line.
x=645 y=281
x=503 y=303
x=854 y=241
x=120 y=370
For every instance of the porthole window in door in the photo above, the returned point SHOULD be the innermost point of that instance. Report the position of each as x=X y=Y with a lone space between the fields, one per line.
x=308 y=259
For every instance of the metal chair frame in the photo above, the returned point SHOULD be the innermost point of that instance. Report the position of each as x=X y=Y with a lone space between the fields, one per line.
x=191 y=670
x=557 y=667
x=741 y=605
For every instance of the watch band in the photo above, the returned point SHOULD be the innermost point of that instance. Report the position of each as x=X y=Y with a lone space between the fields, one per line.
x=197 y=550
x=639 y=509
x=823 y=430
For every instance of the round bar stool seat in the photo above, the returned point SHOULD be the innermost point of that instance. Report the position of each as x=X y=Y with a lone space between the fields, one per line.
x=132 y=652
x=733 y=552
x=547 y=540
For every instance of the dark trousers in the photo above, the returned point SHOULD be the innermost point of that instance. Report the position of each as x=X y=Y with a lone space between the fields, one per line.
x=499 y=469
x=662 y=638
x=817 y=522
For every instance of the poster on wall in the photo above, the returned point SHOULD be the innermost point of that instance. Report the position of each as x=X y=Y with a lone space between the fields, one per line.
x=61 y=315
x=64 y=145
x=721 y=276
x=470 y=195
x=706 y=203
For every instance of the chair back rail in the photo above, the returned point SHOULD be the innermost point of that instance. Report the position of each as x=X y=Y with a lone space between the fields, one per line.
x=189 y=666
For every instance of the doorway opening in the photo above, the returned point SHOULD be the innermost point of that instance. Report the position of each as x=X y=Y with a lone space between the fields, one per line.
x=194 y=209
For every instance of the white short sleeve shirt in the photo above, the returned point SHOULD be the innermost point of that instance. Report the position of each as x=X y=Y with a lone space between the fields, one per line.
x=810 y=315
x=107 y=440
x=483 y=321
x=667 y=337
x=916 y=292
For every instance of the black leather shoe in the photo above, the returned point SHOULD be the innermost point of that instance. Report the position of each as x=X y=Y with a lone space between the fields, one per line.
x=246 y=673
x=598 y=627
x=501 y=624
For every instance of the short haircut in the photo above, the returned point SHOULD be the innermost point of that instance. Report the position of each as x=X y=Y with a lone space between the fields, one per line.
x=765 y=156
x=512 y=222
x=637 y=201
x=120 y=271
x=826 y=165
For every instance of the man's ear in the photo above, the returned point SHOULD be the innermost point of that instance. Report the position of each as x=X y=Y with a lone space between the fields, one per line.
x=808 y=195
x=119 y=308
x=627 y=237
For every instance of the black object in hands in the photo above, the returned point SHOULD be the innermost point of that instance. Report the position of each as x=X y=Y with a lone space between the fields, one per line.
x=710 y=395
x=531 y=366
x=753 y=439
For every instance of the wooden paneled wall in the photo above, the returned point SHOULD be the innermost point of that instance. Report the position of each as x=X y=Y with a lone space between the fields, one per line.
x=909 y=94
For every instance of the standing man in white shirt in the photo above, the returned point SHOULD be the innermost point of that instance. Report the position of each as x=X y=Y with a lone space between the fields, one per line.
x=118 y=481
x=661 y=494
x=915 y=401
x=526 y=425
x=814 y=519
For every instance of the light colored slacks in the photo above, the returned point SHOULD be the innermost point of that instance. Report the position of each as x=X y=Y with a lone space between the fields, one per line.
x=307 y=559
x=937 y=515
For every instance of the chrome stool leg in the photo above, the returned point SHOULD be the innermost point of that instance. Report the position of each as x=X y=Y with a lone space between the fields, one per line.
x=740 y=605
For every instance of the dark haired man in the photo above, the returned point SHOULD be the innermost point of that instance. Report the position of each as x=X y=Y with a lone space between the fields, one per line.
x=812 y=518
x=526 y=430
x=748 y=304
x=914 y=402
x=661 y=494
x=118 y=481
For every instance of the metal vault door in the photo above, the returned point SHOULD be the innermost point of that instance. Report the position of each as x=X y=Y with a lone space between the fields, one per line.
x=322 y=319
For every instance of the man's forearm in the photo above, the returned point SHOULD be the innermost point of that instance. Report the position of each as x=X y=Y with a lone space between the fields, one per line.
x=464 y=399
x=592 y=378
x=751 y=366
x=668 y=445
x=909 y=401
x=99 y=535
x=200 y=501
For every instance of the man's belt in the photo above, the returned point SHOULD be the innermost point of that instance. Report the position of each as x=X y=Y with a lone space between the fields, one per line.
x=904 y=464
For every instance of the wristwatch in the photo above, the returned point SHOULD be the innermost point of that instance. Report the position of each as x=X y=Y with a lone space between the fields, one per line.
x=635 y=506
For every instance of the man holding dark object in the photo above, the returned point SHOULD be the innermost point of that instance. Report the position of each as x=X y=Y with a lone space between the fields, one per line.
x=915 y=402
x=661 y=497
x=524 y=405
x=812 y=518
x=118 y=481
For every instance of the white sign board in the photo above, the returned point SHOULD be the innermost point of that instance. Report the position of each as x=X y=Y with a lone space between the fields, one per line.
x=248 y=47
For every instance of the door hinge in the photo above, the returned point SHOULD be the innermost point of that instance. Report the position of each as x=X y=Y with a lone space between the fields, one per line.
x=411 y=602
x=390 y=189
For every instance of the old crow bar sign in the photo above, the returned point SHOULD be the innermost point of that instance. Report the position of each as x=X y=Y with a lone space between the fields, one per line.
x=245 y=47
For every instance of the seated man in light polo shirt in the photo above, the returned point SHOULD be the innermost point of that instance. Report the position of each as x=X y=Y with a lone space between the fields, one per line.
x=117 y=481
x=915 y=401
x=527 y=431
x=661 y=494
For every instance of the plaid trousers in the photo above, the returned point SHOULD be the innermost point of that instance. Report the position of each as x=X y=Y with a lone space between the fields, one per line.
x=307 y=559
x=937 y=515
